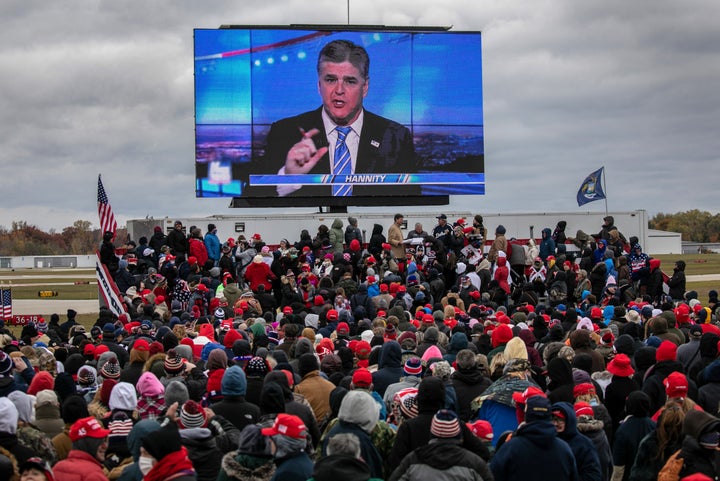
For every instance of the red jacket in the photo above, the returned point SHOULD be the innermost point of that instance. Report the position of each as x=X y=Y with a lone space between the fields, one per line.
x=198 y=249
x=501 y=274
x=79 y=466
x=259 y=273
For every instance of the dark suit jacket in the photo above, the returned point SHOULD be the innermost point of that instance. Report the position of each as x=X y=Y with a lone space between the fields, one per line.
x=385 y=147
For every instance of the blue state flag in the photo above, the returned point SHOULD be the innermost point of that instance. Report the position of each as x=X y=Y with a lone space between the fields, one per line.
x=591 y=188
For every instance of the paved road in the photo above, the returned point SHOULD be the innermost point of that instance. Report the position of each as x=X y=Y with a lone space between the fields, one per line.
x=60 y=306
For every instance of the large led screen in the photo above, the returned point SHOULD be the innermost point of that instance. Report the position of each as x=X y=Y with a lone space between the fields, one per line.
x=338 y=116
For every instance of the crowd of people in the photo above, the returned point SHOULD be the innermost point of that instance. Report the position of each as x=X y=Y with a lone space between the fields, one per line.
x=414 y=356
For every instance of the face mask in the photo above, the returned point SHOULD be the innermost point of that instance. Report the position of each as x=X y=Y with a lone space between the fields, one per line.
x=145 y=464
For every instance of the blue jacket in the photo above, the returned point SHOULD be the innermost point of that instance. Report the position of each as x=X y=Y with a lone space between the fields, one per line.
x=534 y=452
x=547 y=244
x=586 y=458
x=212 y=244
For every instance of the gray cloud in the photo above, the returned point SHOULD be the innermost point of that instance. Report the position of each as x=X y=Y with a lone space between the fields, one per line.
x=568 y=86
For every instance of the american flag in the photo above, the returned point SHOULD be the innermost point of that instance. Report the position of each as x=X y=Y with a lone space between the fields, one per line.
x=107 y=218
x=6 y=303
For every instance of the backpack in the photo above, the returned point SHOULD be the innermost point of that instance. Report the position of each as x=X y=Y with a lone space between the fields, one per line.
x=671 y=470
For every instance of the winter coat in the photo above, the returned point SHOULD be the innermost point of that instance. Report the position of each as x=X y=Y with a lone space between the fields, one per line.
x=697 y=459
x=340 y=467
x=626 y=441
x=212 y=246
x=547 y=244
x=441 y=460
x=235 y=467
x=368 y=451
x=177 y=241
x=501 y=275
x=237 y=410
x=677 y=283
x=352 y=233
x=259 y=273
x=395 y=239
x=198 y=249
x=377 y=239
x=586 y=458
x=534 y=452
x=647 y=464
x=79 y=466
x=390 y=368
x=316 y=390
x=468 y=385
x=295 y=467
x=709 y=393
x=203 y=452
x=653 y=384
x=48 y=420
x=336 y=235
x=594 y=430
x=561 y=381
x=615 y=395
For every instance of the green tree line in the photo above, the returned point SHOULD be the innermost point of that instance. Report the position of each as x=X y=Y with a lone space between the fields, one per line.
x=695 y=225
x=23 y=239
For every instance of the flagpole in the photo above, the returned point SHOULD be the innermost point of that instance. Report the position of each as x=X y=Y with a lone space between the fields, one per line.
x=605 y=191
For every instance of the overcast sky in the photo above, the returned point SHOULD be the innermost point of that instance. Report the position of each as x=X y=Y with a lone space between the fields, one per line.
x=92 y=87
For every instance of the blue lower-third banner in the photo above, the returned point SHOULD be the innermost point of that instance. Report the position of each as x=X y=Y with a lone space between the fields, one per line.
x=369 y=179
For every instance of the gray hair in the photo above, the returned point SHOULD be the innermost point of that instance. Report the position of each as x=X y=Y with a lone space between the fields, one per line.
x=344 y=443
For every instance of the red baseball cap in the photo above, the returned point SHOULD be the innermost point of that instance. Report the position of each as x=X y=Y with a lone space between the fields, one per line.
x=287 y=310
x=482 y=429
x=342 y=328
x=141 y=345
x=362 y=378
x=87 y=428
x=332 y=315
x=287 y=425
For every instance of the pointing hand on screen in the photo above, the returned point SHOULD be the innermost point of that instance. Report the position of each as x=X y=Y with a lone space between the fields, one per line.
x=303 y=156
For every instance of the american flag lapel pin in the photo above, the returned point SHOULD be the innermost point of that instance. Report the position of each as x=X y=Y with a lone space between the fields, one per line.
x=375 y=143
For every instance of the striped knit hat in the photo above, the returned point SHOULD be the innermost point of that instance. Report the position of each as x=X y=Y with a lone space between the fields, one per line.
x=111 y=369
x=120 y=427
x=445 y=424
x=174 y=364
x=413 y=366
x=407 y=400
x=192 y=415
x=6 y=365
x=86 y=376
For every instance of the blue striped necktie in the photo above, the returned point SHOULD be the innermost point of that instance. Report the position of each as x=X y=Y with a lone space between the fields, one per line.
x=342 y=164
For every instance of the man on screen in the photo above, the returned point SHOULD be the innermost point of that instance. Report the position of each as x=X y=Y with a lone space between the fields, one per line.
x=341 y=137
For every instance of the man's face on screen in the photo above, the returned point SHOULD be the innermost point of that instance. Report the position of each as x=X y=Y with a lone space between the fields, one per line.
x=342 y=89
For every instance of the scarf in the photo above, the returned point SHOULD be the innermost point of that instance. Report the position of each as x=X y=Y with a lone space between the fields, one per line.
x=171 y=466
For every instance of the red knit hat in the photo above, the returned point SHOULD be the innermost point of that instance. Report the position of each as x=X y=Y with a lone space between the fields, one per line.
x=583 y=388
x=501 y=335
x=667 y=351
x=583 y=409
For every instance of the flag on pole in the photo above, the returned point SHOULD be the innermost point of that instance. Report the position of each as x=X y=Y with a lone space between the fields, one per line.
x=591 y=188
x=6 y=300
x=107 y=218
